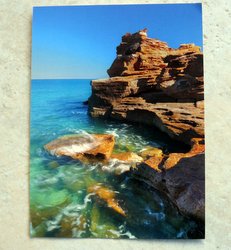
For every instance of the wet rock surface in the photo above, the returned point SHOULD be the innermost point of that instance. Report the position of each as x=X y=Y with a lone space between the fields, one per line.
x=174 y=174
x=181 y=176
x=86 y=148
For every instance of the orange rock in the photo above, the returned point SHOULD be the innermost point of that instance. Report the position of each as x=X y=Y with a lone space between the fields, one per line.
x=102 y=192
x=150 y=151
x=107 y=196
x=153 y=84
x=116 y=207
x=137 y=54
x=154 y=162
x=198 y=147
x=105 y=147
x=129 y=157
x=153 y=157
x=83 y=147
x=173 y=159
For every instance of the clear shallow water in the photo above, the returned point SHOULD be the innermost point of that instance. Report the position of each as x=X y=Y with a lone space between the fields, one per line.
x=60 y=203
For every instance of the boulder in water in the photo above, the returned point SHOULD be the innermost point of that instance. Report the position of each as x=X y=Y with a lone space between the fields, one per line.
x=181 y=176
x=108 y=196
x=85 y=147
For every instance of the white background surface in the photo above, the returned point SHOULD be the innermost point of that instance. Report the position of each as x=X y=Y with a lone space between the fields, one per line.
x=15 y=39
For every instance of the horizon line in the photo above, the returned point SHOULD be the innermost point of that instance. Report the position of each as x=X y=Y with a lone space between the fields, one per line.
x=67 y=78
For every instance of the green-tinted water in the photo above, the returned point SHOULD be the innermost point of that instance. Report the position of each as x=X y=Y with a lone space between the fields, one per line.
x=61 y=205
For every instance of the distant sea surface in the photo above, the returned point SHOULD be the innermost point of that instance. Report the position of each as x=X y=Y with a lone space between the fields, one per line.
x=59 y=202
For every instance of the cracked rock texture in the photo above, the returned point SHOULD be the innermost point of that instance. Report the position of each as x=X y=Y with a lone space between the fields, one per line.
x=153 y=84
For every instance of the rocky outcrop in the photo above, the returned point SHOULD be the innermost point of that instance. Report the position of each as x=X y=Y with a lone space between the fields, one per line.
x=154 y=84
x=86 y=147
x=180 y=176
x=151 y=83
x=183 y=184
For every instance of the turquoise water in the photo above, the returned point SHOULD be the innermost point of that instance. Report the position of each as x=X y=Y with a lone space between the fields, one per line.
x=60 y=204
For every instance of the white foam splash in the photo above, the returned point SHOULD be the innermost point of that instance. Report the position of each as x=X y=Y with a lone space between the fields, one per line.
x=123 y=232
x=92 y=167
x=74 y=148
x=78 y=146
x=116 y=166
x=87 y=135
x=54 y=224
x=72 y=210
x=113 y=132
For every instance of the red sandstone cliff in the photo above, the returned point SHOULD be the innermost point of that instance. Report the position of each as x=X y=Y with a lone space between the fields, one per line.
x=153 y=84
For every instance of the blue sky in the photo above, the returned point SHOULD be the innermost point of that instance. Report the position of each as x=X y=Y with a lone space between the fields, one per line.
x=80 y=41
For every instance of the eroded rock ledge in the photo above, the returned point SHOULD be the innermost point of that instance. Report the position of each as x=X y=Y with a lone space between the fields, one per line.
x=181 y=176
x=153 y=84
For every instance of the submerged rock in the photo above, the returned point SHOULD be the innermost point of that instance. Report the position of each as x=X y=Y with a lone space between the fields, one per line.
x=53 y=164
x=99 y=229
x=86 y=148
x=46 y=204
x=108 y=196
x=70 y=225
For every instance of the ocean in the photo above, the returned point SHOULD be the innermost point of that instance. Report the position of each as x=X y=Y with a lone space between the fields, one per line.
x=60 y=205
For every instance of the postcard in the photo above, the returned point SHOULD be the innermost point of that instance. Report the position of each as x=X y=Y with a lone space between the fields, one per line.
x=117 y=122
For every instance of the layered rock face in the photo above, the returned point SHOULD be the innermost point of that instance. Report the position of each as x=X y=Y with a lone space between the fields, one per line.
x=153 y=84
